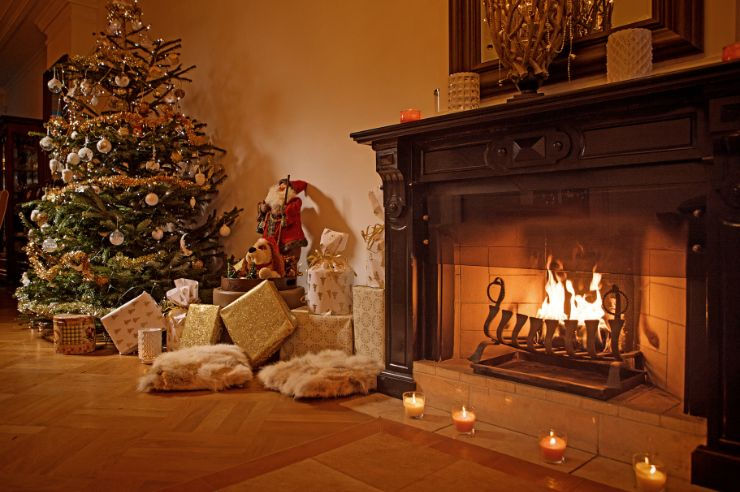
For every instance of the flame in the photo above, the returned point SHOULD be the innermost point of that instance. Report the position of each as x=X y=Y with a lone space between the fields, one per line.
x=553 y=307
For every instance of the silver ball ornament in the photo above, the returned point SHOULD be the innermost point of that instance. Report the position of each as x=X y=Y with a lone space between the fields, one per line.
x=85 y=154
x=54 y=165
x=55 y=85
x=49 y=245
x=122 y=80
x=46 y=143
x=73 y=158
x=104 y=145
x=116 y=238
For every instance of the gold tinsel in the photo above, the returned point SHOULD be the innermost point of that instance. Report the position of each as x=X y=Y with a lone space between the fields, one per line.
x=120 y=181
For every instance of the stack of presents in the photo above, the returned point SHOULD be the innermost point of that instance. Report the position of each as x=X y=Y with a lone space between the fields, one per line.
x=259 y=309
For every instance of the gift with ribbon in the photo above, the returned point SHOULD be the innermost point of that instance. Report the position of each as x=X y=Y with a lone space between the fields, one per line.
x=184 y=294
x=374 y=237
x=329 y=276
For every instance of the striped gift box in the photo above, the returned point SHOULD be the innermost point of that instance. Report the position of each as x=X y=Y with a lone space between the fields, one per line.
x=74 y=334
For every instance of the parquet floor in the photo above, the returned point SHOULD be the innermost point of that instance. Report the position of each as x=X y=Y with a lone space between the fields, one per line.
x=77 y=423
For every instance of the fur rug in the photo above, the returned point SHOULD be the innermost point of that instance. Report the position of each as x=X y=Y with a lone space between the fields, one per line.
x=327 y=374
x=212 y=367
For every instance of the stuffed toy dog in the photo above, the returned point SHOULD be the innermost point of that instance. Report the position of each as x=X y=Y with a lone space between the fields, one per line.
x=263 y=260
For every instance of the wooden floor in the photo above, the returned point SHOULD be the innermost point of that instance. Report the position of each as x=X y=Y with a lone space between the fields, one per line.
x=77 y=423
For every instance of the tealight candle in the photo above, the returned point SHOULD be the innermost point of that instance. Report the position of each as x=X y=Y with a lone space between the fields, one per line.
x=552 y=447
x=649 y=474
x=413 y=404
x=410 y=114
x=464 y=420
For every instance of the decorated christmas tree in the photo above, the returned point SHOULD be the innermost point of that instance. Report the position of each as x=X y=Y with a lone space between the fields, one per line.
x=131 y=212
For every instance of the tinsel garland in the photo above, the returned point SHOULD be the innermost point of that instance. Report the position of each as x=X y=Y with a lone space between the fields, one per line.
x=49 y=309
x=119 y=181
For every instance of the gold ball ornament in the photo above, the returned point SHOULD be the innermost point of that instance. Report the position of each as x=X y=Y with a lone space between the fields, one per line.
x=67 y=175
x=73 y=158
x=151 y=199
x=116 y=238
x=85 y=154
x=225 y=231
x=123 y=131
x=104 y=146
x=193 y=202
x=157 y=234
x=151 y=165
x=200 y=179
x=175 y=156
x=122 y=80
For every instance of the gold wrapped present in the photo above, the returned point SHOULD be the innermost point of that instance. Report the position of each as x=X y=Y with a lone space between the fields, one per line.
x=74 y=334
x=369 y=320
x=317 y=332
x=203 y=326
x=175 y=321
x=259 y=322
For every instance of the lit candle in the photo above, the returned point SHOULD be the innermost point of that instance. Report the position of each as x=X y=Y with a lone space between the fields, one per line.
x=648 y=477
x=413 y=404
x=410 y=114
x=552 y=447
x=464 y=420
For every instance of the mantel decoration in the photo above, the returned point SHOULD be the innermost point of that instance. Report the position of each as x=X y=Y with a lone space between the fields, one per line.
x=527 y=35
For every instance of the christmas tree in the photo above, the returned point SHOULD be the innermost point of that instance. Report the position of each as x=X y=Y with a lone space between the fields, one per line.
x=131 y=212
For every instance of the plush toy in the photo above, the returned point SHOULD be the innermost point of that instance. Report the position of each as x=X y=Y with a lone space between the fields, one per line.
x=263 y=260
x=279 y=217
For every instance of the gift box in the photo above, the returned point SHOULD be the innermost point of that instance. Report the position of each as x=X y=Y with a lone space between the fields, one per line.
x=74 y=334
x=124 y=322
x=368 y=315
x=184 y=294
x=374 y=238
x=317 y=332
x=294 y=297
x=329 y=276
x=259 y=322
x=203 y=326
x=175 y=322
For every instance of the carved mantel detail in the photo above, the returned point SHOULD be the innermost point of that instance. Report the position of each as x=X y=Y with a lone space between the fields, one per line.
x=394 y=189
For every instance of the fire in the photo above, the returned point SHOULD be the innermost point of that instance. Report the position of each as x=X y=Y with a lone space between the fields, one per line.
x=553 y=307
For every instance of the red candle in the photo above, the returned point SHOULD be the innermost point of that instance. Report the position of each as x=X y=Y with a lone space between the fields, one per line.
x=731 y=52
x=552 y=447
x=410 y=114
x=464 y=420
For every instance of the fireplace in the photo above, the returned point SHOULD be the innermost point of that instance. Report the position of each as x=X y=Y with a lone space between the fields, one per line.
x=611 y=207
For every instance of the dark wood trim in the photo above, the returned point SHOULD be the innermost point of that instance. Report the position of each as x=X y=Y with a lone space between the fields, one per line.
x=677 y=25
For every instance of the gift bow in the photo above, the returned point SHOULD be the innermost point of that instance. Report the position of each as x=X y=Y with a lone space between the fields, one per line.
x=372 y=235
x=184 y=293
x=328 y=260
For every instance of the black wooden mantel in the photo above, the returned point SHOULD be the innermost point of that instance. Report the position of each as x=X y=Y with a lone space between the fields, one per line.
x=683 y=118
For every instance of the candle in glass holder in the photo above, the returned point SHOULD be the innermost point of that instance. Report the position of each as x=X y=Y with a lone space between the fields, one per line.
x=649 y=473
x=552 y=446
x=410 y=114
x=464 y=420
x=413 y=404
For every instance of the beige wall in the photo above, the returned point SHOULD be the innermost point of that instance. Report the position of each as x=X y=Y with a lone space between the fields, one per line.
x=282 y=84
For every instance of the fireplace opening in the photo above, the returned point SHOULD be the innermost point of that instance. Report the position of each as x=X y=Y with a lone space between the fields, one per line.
x=584 y=284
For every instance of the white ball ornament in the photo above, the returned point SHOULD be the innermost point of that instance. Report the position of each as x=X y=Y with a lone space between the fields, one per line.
x=35 y=215
x=151 y=199
x=73 y=158
x=46 y=142
x=55 y=85
x=200 y=179
x=122 y=80
x=158 y=234
x=49 y=245
x=73 y=135
x=85 y=154
x=54 y=165
x=67 y=175
x=104 y=145
x=116 y=238
x=224 y=231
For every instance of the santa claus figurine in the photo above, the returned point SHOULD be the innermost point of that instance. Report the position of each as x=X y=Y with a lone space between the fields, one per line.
x=279 y=217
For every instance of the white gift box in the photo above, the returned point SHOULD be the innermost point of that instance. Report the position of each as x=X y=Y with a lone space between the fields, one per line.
x=330 y=277
x=123 y=323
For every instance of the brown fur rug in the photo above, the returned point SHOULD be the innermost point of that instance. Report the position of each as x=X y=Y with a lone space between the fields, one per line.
x=212 y=367
x=327 y=374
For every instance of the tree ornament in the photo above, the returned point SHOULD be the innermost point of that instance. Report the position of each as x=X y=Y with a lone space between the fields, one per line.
x=67 y=175
x=104 y=146
x=85 y=154
x=25 y=281
x=122 y=80
x=96 y=189
x=54 y=165
x=225 y=231
x=158 y=234
x=74 y=134
x=35 y=214
x=175 y=156
x=94 y=100
x=73 y=158
x=200 y=179
x=116 y=238
x=151 y=165
x=193 y=203
x=143 y=108
x=86 y=87
x=170 y=98
x=151 y=199
x=46 y=143
x=137 y=24
x=55 y=85
x=49 y=245
x=184 y=246
x=123 y=131
x=198 y=264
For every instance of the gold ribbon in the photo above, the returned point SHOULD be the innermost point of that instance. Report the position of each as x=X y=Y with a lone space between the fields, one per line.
x=328 y=260
x=372 y=235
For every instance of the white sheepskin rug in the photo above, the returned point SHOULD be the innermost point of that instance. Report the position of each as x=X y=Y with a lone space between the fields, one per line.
x=327 y=374
x=212 y=367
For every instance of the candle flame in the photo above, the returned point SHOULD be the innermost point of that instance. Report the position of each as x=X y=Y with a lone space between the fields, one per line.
x=553 y=441
x=647 y=461
x=652 y=469
x=464 y=413
x=413 y=397
x=552 y=433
